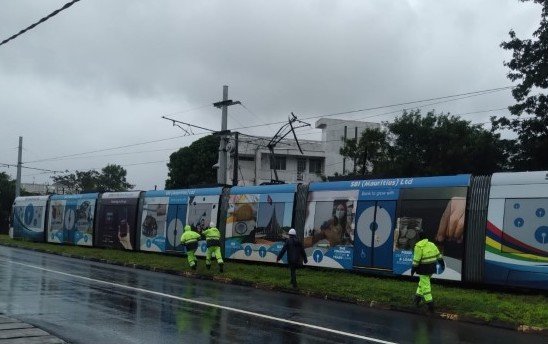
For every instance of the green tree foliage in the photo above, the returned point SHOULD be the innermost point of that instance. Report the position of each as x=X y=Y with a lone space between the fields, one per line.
x=112 y=178
x=7 y=196
x=193 y=165
x=529 y=66
x=443 y=144
x=370 y=154
x=417 y=145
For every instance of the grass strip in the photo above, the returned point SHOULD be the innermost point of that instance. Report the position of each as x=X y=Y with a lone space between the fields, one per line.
x=485 y=305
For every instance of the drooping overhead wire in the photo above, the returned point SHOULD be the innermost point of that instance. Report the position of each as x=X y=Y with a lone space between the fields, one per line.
x=445 y=99
x=52 y=14
x=32 y=168
x=112 y=148
x=387 y=113
x=190 y=126
x=407 y=109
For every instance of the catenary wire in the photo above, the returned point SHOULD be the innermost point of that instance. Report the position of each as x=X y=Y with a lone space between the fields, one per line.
x=43 y=19
x=467 y=94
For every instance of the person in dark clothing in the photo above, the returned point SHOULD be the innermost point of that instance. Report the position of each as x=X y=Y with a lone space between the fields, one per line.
x=295 y=255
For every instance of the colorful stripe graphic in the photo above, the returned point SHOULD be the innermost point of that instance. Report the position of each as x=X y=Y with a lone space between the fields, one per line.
x=503 y=244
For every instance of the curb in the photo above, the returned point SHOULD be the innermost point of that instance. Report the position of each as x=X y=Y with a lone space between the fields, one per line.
x=371 y=304
x=14 y=331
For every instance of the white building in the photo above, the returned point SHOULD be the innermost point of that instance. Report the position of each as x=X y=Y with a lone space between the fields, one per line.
x=320 y=158
x=43 y=189
x=333 y=132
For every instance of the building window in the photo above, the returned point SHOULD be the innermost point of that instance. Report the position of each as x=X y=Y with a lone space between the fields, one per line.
x=301 y=165
x=315 y=166
x=279 y=163
x=246 y=158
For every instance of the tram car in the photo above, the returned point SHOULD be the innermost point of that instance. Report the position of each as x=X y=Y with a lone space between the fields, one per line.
x=491 y=229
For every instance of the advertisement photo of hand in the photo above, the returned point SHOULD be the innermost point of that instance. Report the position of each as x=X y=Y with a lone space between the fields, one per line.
x=124 y=235
x=451 y=227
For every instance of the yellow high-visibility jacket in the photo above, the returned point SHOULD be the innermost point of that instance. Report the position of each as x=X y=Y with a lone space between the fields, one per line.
x=425 y=256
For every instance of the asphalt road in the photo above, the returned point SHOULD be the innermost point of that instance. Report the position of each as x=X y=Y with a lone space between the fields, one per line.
x=87 y=302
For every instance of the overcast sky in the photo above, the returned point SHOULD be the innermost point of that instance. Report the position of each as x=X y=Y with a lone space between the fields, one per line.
x=102 y=73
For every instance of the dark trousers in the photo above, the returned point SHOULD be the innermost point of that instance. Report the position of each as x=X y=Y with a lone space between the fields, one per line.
x=293 y=270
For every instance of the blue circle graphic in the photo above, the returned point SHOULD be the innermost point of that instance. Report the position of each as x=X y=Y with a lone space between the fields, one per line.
x=317 y=256
x=29 y=214
x=519 y=222
x=149 y=243
x=85 y=238
x=262 y=251
x=439 y=268
x=541 y=234
x=374 y=226
x=248 y=250
x=516 y=205
x=203 y=247
x=540 y=212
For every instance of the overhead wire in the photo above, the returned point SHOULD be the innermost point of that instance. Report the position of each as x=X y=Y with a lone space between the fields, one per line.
x=43 y=19
x=117 y=147
x=411 y=108
x=447 y=99
x=31 y=168
x=118 y=154
x=458 y=96
x=400 y=110
x=255 y=115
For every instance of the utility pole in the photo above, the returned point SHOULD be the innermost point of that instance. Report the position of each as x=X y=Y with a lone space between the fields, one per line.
x=355 y=137
x=19 y=163
x=236 y=157
x=344 y=144
x=223 y=105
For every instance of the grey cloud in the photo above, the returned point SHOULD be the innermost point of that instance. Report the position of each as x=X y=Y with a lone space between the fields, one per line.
x=117 y=66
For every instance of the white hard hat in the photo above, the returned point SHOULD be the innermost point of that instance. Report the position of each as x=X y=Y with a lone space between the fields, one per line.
x=212 y=224
x=292 y=232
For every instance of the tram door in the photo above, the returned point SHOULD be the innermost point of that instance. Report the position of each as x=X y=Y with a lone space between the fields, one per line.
x=176 y=217
x=374 y=234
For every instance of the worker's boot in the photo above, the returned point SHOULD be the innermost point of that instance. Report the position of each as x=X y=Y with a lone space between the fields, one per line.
x=221 y=267
x=417 y=300
x=430 y=307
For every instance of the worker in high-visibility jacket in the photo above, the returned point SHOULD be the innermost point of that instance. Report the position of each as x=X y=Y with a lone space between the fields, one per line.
x=213 y=241
x=425 y=257
x=190 y=240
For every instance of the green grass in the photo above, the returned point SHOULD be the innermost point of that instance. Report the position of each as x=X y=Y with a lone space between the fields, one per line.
x=510 y=307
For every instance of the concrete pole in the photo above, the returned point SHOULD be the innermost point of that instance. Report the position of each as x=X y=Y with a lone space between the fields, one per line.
x=344 y=159
x=236 y=157
x=19 y=163
x=221 y=172
x=356 y=137
x=257 y=165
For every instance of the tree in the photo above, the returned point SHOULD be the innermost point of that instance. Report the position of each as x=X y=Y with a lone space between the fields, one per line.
x=79 y=182
x=7 y=196
x=111 y=178
x=430 y=145
x=529 y=65
x=443 y=144
x=369 y=154
x=193 y=165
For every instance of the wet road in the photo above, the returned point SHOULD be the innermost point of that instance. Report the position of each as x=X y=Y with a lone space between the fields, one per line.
x=87 y=302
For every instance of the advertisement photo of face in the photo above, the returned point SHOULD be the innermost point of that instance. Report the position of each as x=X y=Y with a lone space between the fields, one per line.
x=335 y=231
